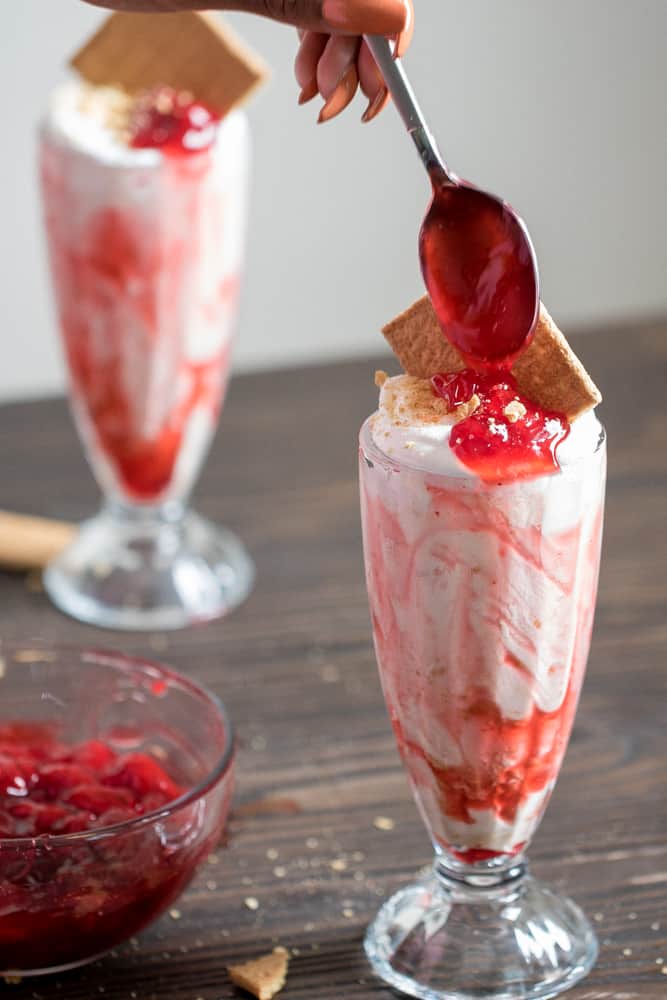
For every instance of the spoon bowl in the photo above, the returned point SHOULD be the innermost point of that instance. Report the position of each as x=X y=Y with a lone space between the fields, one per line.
x=480 y=270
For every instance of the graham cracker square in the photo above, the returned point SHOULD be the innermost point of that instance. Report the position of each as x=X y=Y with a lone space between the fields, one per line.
x=186 y=50
x=548 y=372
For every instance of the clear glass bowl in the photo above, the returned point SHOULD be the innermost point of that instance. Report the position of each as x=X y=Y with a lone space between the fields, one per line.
x=67 y=898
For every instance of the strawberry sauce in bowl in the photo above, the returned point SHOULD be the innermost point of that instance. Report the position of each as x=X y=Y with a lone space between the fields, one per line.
x=116 y=776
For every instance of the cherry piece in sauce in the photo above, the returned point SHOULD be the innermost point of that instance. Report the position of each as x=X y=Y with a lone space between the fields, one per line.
x=50 y=787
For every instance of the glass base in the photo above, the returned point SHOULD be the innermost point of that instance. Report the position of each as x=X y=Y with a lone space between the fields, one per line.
x=150 y=569
x=446 y=938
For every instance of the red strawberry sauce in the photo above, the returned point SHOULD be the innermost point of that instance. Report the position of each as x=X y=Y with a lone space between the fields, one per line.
x=64 y=900
x=493 y=442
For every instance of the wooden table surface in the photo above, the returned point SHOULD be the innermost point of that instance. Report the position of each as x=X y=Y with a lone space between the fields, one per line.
x=317 y=762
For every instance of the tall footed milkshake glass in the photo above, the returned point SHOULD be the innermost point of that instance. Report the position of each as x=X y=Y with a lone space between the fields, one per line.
x=145 y=210
x=482 y=598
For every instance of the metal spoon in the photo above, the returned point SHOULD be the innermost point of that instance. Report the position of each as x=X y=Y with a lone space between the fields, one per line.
x=477 y=258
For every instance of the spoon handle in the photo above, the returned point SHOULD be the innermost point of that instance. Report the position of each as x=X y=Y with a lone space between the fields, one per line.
x=406 y=103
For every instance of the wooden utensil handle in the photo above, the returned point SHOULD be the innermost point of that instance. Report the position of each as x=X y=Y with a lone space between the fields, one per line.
x=31 y=542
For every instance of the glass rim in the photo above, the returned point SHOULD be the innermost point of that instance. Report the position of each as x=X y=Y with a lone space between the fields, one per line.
x=151 y=668
x=372 y=450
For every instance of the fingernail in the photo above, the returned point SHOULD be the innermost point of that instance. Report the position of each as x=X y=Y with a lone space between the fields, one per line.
x=370 y=17
x=343 y=93
x=308 y=92
x=375 y=106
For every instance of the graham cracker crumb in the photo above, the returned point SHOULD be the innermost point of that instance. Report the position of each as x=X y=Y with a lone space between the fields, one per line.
x=515 y=411
x=548 y=372
x=265 y=976
x=408 y=399
x=464 y=410
x=385 y=823
x=380 y=378
x=109 y=106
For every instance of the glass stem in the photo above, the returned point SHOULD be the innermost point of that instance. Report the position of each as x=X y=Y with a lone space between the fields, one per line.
x=170 y=512
x=460 y=879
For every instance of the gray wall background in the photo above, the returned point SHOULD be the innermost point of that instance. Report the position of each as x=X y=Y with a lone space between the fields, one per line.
x=558 y=106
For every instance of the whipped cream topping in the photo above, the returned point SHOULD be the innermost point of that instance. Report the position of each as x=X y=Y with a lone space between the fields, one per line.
x=412 y=426
x=92 y=120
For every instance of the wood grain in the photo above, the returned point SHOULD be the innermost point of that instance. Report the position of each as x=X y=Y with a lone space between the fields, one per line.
x=295 y=665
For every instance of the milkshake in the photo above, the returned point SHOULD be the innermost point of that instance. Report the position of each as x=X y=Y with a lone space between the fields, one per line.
x=482 y=598
x=482 y=494
x=145 y=210
x=144 y=163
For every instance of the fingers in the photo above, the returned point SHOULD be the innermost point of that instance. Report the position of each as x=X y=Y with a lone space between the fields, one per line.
x=310 y=52
x=330 y=69
x=341 y=97
x=334 y=66
x=340 y=54
x=372 y=84
x=337 y=77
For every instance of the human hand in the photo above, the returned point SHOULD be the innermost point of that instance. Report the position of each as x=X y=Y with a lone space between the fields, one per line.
x=333 y=60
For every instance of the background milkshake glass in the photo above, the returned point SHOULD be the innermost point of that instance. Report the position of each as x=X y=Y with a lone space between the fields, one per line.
x=146 y=253
x=482 y=599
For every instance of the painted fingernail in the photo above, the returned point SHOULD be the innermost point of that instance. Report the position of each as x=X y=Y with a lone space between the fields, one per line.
x=371 y=17
x=341 y=96
x=375 y=106
x=308 y=92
